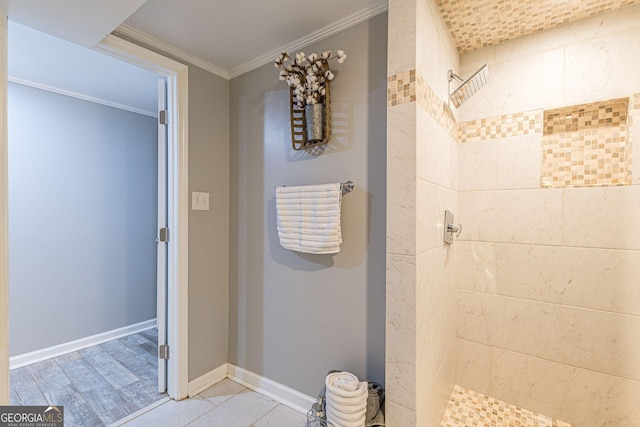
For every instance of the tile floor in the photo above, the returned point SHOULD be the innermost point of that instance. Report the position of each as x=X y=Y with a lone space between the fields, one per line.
x=97 y=385
x=468 y=408
x=226 y=404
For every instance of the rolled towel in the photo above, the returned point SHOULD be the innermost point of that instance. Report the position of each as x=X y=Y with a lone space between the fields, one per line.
x=346 y=400
x=345 y=384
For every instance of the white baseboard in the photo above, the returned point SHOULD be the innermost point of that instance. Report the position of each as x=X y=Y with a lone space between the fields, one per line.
x=205 y=381
x=69 y=347
x=279 y=392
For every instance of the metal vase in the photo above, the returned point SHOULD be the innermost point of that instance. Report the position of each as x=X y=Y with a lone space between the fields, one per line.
x=314 y=115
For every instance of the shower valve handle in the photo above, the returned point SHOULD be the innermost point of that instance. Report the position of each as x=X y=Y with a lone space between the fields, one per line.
x=454 y=228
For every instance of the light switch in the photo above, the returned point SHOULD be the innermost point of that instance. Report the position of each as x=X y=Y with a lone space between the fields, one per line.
x=199 y=201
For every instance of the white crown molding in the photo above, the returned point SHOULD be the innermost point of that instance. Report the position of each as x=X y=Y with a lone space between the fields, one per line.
x=81 y=96
x=321 y=34
x=130 y=32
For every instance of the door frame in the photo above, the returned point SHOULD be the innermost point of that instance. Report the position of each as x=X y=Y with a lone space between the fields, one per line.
x=177 y=75
x=178 y=206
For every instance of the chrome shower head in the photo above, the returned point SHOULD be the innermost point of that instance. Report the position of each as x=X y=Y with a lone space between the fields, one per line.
x=468 y=87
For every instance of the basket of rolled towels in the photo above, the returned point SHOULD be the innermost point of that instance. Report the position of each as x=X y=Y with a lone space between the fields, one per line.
x=345 y=401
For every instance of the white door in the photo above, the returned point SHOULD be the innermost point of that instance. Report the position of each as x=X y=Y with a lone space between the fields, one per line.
x=163 y=236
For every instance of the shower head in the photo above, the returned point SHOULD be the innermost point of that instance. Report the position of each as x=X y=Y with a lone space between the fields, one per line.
x=468 y=87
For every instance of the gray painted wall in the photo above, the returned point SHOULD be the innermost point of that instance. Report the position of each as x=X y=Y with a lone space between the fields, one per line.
x=208 y=230
x=295 y=316
x=82 y=218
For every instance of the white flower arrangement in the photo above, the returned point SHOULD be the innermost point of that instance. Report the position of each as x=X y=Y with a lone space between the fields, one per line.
x=308 y=75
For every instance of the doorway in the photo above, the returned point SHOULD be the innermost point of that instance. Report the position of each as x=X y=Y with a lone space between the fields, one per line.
x=176 y=75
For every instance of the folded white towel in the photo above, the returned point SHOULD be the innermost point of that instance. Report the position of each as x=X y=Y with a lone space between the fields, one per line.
x=309 y=218
x=346 y=400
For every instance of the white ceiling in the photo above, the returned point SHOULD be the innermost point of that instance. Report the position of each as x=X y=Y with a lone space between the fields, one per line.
x=85 y=22
x=234 y=35
x=223 y=36
x=41 y=60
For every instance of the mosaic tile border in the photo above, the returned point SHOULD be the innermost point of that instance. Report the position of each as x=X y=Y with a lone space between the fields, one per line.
x=437 y=108
x=582 y=146
x=500 y=126
x=409 y=86
x=587 y=145
x=467 y=408
x=401 y=88
x=475 y=24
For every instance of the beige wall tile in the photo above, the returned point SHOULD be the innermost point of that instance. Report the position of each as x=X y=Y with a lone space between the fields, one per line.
x=634 y=138
x=434 y=283
x=401 y=49
x=594 y=400
x=604 y=342
x=603 y=279
x=582 y=397
x=529 y=382
x=478 y=317
x=435 y=49
x=435 y=341
x=400 y=376
x=523 y=216
x=474 y=266
x=514 y=87
x=607 y=217
x=473 y=367
x=531 y=271
x=398 y=415
x=477 y=165
x=530 y=327
x=518 y=164
x=432 y=406
x=598 y=69
x=618 y=21
x=435 y=152
x=432 y=201
x=401 y=177
x=516 y=324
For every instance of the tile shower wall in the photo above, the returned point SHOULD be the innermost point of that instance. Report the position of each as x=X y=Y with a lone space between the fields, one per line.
x=421 y=181
x=548 y=300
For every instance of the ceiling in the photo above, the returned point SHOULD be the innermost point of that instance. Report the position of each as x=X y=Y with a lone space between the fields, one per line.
x=43 y=61
x=475 y=24
x=237 y=35
x=85 y=22
x=232 y=37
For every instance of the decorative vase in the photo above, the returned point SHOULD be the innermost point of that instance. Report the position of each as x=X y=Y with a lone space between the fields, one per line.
x=314 y=117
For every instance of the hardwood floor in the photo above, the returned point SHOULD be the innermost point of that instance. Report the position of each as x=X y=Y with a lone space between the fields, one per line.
x=97 y=385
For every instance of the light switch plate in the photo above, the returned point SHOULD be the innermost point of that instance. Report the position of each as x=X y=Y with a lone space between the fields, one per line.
x=199 y=201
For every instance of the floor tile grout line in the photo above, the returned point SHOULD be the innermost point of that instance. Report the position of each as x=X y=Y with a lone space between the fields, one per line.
x=213 y=408
x=264 y=415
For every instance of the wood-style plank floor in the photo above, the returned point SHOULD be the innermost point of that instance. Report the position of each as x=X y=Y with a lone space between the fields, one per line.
x=97 y=385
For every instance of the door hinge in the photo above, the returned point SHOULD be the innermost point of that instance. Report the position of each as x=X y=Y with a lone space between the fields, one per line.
x=163 y=352
x=163 y=117
x=164 y=235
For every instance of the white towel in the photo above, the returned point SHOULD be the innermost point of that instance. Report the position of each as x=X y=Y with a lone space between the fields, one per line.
x=309 y=218
x=346 y=400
